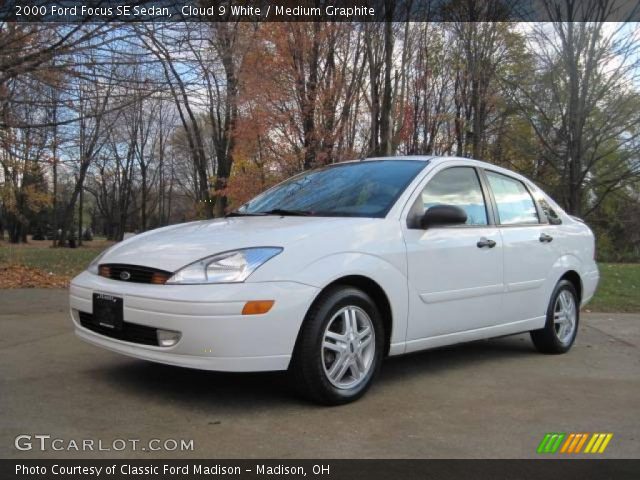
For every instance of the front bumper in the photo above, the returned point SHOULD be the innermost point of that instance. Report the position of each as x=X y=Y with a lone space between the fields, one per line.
x=214 y=333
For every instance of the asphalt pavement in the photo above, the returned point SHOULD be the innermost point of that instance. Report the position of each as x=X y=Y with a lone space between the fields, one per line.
x=487 y=399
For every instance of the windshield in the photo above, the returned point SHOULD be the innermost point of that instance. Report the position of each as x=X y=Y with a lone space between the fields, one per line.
x=354 y=189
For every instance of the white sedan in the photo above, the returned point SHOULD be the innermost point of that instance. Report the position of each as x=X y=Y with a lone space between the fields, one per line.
x=332 y=270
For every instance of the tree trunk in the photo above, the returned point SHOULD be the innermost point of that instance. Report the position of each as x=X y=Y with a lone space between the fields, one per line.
x=80 y=212
x=227 y=143
x=143 y=199
x=67 y=216
x=386 y=146
x=309 y=96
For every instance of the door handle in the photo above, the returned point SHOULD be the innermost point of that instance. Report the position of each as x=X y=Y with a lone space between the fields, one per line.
x=544 y=238
x=485 y=242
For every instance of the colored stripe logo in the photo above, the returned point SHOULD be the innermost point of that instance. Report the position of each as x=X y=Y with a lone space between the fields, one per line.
x=574 y=443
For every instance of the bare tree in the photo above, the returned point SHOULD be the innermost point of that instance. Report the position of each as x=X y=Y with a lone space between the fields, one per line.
x=380 y=53
x=93 y=102
x=582 y=103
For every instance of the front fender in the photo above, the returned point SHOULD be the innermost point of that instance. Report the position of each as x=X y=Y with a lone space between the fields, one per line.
x=326 y=270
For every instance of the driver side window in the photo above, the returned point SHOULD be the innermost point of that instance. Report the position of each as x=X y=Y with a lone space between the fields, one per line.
x=457 y=186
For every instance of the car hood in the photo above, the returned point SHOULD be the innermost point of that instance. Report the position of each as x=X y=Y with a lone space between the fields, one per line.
x=171 y=248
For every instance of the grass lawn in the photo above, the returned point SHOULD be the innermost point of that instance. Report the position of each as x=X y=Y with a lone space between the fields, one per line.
x=66 y=262
x=619 y=289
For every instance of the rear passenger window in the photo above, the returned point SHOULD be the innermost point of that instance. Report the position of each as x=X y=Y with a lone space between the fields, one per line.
x=515 y=205
x=457 y=186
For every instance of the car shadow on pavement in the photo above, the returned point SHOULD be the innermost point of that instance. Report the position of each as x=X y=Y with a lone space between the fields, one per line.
x=200 y=387
x=237 y=391
x=460 y=356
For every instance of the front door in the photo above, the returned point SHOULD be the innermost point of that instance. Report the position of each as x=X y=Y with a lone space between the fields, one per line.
x=455 y=275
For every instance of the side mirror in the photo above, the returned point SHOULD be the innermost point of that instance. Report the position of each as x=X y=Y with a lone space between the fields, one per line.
x=443 y=215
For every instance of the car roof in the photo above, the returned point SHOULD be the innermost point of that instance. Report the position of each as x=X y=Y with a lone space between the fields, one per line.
x=424 y=158
x=437 y=159
x=431 y=159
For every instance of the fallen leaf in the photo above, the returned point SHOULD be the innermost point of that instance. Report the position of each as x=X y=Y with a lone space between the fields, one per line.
x=20 y=276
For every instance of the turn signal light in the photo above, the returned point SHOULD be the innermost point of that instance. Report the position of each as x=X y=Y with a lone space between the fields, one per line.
x=159 y=278
x=104 y=271
x=256 y=307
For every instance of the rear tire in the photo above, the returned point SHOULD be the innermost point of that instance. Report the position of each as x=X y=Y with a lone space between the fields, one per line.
x=340 y=347
x=563 y=317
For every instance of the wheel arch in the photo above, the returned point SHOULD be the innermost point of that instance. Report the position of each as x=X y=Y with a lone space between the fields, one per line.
x=574 y=277
x=377 y=294
x=568 y=267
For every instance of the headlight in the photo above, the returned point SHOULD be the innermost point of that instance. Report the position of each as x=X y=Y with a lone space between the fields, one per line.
x=226 y=267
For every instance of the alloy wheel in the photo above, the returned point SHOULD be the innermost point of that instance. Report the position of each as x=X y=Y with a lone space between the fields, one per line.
x=565 y=316
x=348 y=347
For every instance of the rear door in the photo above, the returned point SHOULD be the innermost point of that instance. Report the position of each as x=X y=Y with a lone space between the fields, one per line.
x=528 y=244
x=454 y=272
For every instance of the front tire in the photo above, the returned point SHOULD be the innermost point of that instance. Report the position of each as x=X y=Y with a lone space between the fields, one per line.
x=563 y=316
x=340 y=347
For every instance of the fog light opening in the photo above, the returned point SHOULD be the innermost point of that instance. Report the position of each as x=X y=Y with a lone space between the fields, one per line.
x=168 y=338
x=257 y=307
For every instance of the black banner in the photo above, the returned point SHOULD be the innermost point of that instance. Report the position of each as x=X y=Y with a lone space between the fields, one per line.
x=322 y=469
x=75 y=11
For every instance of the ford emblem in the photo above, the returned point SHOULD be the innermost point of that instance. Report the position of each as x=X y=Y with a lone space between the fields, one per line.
x=124 y=275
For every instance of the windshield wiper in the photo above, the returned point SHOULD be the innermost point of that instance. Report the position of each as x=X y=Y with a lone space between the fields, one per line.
x=235 y=213
x=284 y=211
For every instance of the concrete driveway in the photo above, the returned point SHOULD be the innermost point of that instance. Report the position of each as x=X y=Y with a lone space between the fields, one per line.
x=489 y=399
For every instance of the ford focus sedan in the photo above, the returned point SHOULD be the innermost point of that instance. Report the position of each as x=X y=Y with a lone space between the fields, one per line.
x=332 y=270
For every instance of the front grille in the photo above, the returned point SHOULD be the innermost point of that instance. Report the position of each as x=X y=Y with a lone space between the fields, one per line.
x=134 y=273
x=131 y=332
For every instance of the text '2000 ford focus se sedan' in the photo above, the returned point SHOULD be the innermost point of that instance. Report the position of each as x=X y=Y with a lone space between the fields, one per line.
x=333 y=269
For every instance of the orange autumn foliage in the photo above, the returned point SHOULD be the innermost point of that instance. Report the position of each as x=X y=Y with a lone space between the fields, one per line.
x=277 y=76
